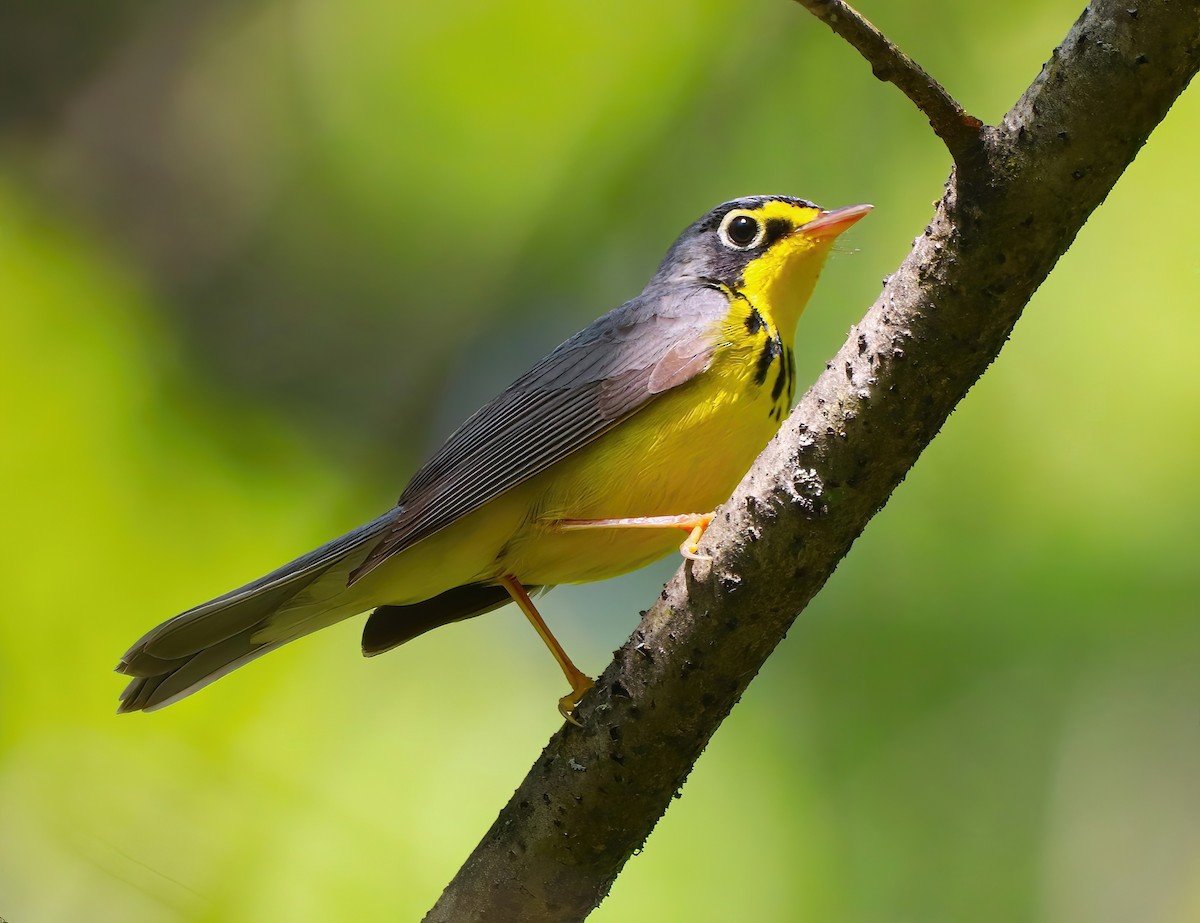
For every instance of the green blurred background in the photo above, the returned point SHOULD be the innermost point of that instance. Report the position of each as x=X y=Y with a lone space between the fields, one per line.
x=257 y=258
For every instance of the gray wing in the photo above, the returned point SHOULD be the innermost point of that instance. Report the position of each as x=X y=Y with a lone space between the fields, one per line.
x=586 y=386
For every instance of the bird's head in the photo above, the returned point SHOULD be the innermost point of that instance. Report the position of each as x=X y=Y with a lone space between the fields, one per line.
x=768 y=248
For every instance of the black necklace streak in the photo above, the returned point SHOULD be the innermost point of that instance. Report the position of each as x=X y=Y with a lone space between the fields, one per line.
x=772 y=350
x=780 y=381
x=754 y=322
x=785 y=384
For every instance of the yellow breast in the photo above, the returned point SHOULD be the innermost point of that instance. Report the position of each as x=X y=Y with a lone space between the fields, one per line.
x=682 y=454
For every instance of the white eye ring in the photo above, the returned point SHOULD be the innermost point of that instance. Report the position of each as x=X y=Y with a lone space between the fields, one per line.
x=735 y=237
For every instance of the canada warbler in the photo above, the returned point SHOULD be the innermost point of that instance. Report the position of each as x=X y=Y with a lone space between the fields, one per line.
x=581 y=469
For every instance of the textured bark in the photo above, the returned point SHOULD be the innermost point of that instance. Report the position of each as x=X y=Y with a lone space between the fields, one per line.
x=1010 y=210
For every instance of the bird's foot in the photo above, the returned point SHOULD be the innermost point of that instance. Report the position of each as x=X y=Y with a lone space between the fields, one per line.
x=580 y=686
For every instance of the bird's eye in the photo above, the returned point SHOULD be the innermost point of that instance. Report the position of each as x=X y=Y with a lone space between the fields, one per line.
x=741 y=231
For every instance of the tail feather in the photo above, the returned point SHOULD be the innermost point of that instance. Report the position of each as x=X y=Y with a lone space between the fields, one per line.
x=216 y=620
x=196 y=647
x=189 y=674
x=138 y=693
x=139 y=663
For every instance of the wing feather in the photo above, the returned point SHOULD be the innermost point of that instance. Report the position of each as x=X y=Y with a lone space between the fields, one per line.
x=590 y=383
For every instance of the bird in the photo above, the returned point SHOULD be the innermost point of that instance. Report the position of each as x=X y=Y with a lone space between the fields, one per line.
x=587 y=466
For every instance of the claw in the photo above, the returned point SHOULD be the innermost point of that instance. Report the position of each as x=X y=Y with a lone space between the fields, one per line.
x=568 y=703
x=696 y=523
x=691 y=545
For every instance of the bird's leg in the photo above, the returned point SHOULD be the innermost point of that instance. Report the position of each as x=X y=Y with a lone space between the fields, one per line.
x=695 y=523
x=580 y=682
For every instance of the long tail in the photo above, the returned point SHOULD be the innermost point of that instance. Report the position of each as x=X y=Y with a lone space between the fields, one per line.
x=196 y=647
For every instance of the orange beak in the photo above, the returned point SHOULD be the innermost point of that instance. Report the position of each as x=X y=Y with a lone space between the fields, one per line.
x=830 y=224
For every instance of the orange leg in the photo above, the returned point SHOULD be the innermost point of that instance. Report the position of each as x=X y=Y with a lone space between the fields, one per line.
x=695 y=523
x=580 y=682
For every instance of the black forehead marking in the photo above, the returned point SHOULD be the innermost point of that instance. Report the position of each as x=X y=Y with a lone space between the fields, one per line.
x=750 y=203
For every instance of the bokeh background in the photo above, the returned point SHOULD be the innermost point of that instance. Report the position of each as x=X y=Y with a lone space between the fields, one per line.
x=257 y=258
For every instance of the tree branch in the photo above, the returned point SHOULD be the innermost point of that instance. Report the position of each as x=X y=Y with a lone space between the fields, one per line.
x=958 y=129
x=596 y=792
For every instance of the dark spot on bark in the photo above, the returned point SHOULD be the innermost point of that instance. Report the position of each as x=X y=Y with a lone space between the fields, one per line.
x=617 y=691
x=1141 y=59
x=614 y=732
